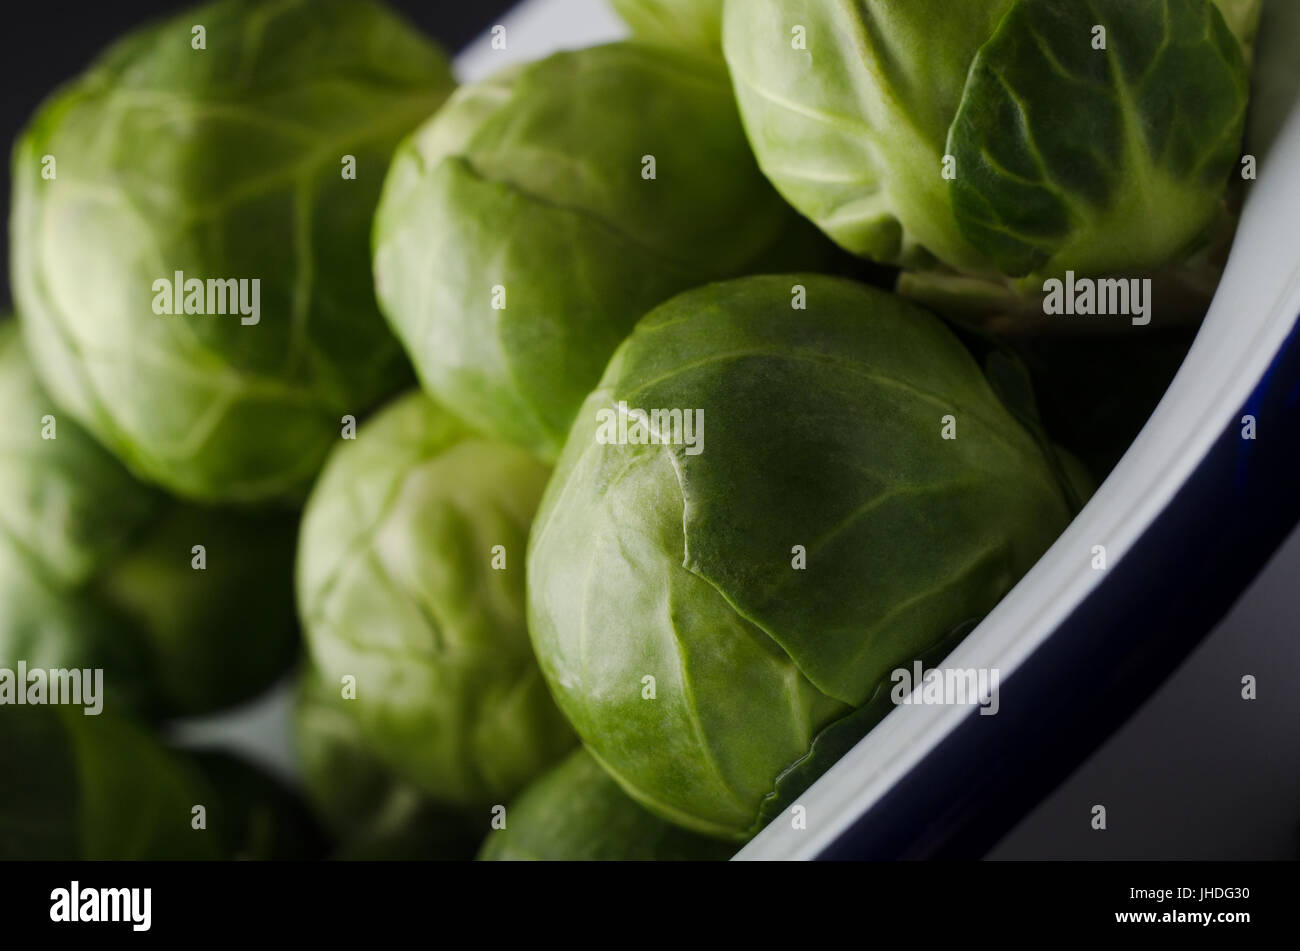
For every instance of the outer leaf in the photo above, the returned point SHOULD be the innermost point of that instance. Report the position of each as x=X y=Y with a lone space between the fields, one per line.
x=841 y=735
x=222 y=164
x=878 y=378
x=610 y=605
x=1071 y=158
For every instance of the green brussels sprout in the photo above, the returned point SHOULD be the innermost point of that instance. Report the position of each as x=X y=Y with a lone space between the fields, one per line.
x=994 y=142
x=718 y=608
x=525 y=229
x=100 y=571
x=411 y=583
x=577 y=813
x=695 y=23
x=223 y=165
x=98 y=787
x=372 y=814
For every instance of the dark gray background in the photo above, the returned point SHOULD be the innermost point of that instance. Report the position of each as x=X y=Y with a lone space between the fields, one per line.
x=1197 y=773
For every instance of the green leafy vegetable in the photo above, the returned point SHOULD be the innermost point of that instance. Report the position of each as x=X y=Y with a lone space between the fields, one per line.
x=703 y=612
x=529 y=225
x=251 y=165
x=411 y=584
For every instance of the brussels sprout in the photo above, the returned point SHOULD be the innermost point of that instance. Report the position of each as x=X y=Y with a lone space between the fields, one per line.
x=527 y=227
x=98 y=787
x=100 y=571
x=994 y=141
x=718 y=608
x=411 y=583
x=225 y=161
x=577 y=813
x=695 y=23
x=373 y=814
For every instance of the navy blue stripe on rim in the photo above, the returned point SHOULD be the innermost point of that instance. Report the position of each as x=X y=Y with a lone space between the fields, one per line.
x=1113 y=652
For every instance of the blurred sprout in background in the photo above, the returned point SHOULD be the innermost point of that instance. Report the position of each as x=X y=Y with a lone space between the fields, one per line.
x=529 y=224
x=411 y=588
x=101 y=787
x=371 y=813
x=186 y=609
x=259 y=159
